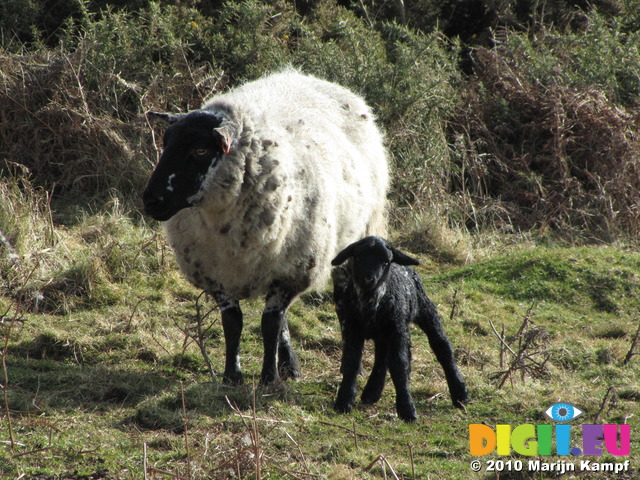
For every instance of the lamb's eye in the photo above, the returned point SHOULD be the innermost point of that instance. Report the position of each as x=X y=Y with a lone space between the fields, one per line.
x=201 y=152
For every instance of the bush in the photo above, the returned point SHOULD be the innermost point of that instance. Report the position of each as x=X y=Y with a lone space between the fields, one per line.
x=85 y=100
x=546 y=135
x=539 y=136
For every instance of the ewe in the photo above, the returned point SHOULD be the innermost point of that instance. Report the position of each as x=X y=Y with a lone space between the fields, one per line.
x=259 y=189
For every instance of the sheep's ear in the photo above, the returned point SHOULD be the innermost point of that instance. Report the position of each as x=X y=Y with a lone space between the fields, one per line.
x=225 y=134
x=402 y=258
x=343 y=256
x=169 y=118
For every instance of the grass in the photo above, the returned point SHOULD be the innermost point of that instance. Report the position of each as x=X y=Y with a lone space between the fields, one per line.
x=109 y=385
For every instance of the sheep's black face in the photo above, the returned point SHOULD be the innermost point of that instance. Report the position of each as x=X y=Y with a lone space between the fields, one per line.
x=192 y=152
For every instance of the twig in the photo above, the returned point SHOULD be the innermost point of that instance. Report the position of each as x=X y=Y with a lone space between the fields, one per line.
x=605 y=400
x=200 y=334
x=133 y=312
x=144 y=460
x=256 y=437
x=502 y=339
x=631 y=352
x=32 y=452
x=343 y=428
x=522 y=361
x=273 y=420
x=355 y=434
x=502 y=346
x=413 y=467
x=186 y=431
x=525 y=322
x=168 y=474
x=254 y=433
x=385 y=463
x=304 y=460
x=454 y=306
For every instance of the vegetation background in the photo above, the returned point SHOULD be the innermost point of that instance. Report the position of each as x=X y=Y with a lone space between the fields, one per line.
x=513 y=134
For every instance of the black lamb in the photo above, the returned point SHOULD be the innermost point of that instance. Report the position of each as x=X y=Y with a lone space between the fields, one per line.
x=377 y=295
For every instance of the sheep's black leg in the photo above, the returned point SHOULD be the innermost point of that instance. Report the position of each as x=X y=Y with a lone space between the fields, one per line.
x=351 y=358
x=373 y=389
x=400 y=369
x=288 y=365
x=431 y=324
x=275 y=333
x=232 y=327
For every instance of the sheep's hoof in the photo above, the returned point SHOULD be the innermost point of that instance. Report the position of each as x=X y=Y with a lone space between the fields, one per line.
x=268 y=377
x=289 y=370
x=234 y=378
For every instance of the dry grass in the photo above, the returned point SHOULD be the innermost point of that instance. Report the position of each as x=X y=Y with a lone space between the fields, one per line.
x=551 y=157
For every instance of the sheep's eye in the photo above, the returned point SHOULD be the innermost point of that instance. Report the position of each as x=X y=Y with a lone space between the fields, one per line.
x=201 y=152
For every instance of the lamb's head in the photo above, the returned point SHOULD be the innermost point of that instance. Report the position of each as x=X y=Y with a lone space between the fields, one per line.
x=194 y=145
x=371 y=259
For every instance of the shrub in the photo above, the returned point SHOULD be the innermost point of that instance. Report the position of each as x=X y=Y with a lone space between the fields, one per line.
x=547 y=136
x=540 y=136
x=85 y=100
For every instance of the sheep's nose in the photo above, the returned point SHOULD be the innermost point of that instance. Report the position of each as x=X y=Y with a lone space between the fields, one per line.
x=151 y=201
x=155 y=206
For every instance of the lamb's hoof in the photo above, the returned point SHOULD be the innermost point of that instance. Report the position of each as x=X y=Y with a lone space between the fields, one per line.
x=460 y=398
x=461 y=403
x=369 y=398
x=409 y=417
x=341 y=407
x=234 y=378
x=407 y=411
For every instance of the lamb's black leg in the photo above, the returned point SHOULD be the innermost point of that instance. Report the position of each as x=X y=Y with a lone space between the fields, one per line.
x=351 y=358
x=400 y=369
x=275 y=333
x=431 y=324
x=288 y=364
x=373 y=389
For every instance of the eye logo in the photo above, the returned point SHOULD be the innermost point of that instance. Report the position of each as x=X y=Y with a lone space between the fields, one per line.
x=563 y=412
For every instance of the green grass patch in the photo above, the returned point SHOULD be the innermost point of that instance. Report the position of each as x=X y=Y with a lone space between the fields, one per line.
x=91 y=390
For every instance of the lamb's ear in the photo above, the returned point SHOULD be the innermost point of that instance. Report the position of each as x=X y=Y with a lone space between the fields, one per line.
x=402 y=258
x=343 y=256
x=169 y=118
x=226 y=133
